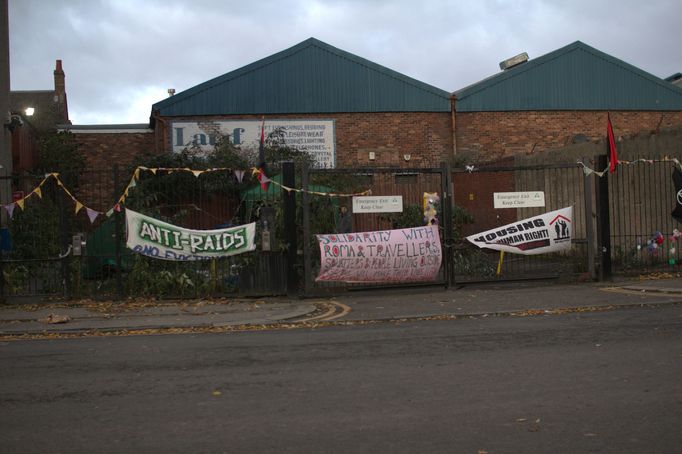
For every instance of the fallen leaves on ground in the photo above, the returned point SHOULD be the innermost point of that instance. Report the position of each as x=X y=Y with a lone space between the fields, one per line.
x=55 y=318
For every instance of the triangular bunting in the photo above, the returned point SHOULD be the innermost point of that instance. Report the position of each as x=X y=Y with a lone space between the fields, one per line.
x=197 y=172
x=38 y=192
x=79 y=206
x=110 y=212
x=10 y=209
x=117 y=207
x=152 y=171
x=239 y=174
x=92 y=214
x=132 y=184
x=20 y=203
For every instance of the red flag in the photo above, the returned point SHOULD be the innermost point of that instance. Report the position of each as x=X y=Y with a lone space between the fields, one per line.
x=613 y=155
x=263 y=179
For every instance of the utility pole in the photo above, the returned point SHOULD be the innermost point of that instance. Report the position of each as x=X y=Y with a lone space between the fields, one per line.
x=5 y=134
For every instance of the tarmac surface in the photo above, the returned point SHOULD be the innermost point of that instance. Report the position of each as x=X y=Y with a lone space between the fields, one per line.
x=498 y=299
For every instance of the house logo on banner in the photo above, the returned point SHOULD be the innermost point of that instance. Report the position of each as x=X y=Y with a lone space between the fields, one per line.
x=549 y=232
x=562 y=228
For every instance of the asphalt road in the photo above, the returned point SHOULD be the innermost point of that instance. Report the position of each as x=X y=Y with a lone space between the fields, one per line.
x=580 y=383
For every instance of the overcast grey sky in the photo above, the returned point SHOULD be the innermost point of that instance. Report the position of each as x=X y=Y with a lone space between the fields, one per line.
x=121 y=56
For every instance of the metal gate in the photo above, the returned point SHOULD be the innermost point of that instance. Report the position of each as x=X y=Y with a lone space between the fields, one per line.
x=563 y=185
x=321 y=213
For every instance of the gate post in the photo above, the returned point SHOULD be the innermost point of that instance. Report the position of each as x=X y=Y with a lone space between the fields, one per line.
x=603 y=221
x=65 y=245
x=118 y=236
x=447 y=201
x=588 y=190
x=305 y=205
x=289 y=203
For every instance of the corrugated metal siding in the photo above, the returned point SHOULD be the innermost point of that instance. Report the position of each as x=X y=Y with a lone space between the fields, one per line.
x=311 y=77
x=576 y=77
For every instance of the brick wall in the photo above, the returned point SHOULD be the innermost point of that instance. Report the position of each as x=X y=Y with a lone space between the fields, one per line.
x=492 y=135
x=425 y=136
x=102 y=151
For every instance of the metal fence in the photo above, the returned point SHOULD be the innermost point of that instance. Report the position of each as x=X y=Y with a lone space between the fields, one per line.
x=622 y=223
x=641 y=198
x=52 y=249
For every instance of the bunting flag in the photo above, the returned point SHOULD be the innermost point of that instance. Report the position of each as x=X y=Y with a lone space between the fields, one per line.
x=587 y=171
x=10 y=209
x=264 y=180
x=92 y=214
x=258 y=173
x=613 y=155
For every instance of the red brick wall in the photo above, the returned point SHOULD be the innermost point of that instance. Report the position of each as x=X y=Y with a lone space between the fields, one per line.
x=425 y=136
x=102 y=151
x=492 y=135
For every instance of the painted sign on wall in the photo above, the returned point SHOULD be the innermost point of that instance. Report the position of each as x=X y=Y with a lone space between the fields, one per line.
x=406 y=255
x=316 y=137
x=161 y=240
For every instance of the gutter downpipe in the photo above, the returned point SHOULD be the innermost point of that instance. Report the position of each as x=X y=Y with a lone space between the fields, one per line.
x=453 y=116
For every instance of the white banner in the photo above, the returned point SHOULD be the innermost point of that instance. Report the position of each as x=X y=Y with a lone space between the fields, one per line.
x=406 y=255
x=315 y=137
x=549 y=232
x=161 y=240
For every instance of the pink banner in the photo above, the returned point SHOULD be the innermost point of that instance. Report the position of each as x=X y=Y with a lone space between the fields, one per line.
x=407 y=255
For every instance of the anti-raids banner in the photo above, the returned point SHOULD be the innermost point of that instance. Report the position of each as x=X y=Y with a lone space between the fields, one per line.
x=407 y=255
x=549 y=232
x=158 y=239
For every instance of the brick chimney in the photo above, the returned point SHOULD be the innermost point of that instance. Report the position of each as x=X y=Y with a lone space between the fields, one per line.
x=62 y=108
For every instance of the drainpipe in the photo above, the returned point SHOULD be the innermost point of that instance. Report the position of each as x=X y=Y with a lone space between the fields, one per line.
x=453 y=116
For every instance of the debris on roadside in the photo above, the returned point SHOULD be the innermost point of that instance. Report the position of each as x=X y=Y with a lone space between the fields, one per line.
x=55 y=318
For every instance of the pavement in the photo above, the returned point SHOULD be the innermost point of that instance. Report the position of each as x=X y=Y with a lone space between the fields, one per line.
x=392 y=304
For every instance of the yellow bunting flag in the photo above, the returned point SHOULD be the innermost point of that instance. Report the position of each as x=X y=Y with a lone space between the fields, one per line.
x=79 y=206
x=20 y=203
x=197 y=172
x=38 y=192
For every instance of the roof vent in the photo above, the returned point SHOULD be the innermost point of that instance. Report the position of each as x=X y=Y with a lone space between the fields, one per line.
x=514 y=61
x=171 y=91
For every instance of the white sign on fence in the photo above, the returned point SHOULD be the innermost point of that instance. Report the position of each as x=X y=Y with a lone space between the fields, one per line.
x=378 y=204
x=519 y=199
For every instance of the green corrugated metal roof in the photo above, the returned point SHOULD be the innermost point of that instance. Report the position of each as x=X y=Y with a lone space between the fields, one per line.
x=575 y=77
x=311 y=77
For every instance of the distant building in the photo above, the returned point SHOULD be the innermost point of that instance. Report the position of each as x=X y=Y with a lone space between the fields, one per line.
x=36 y=112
